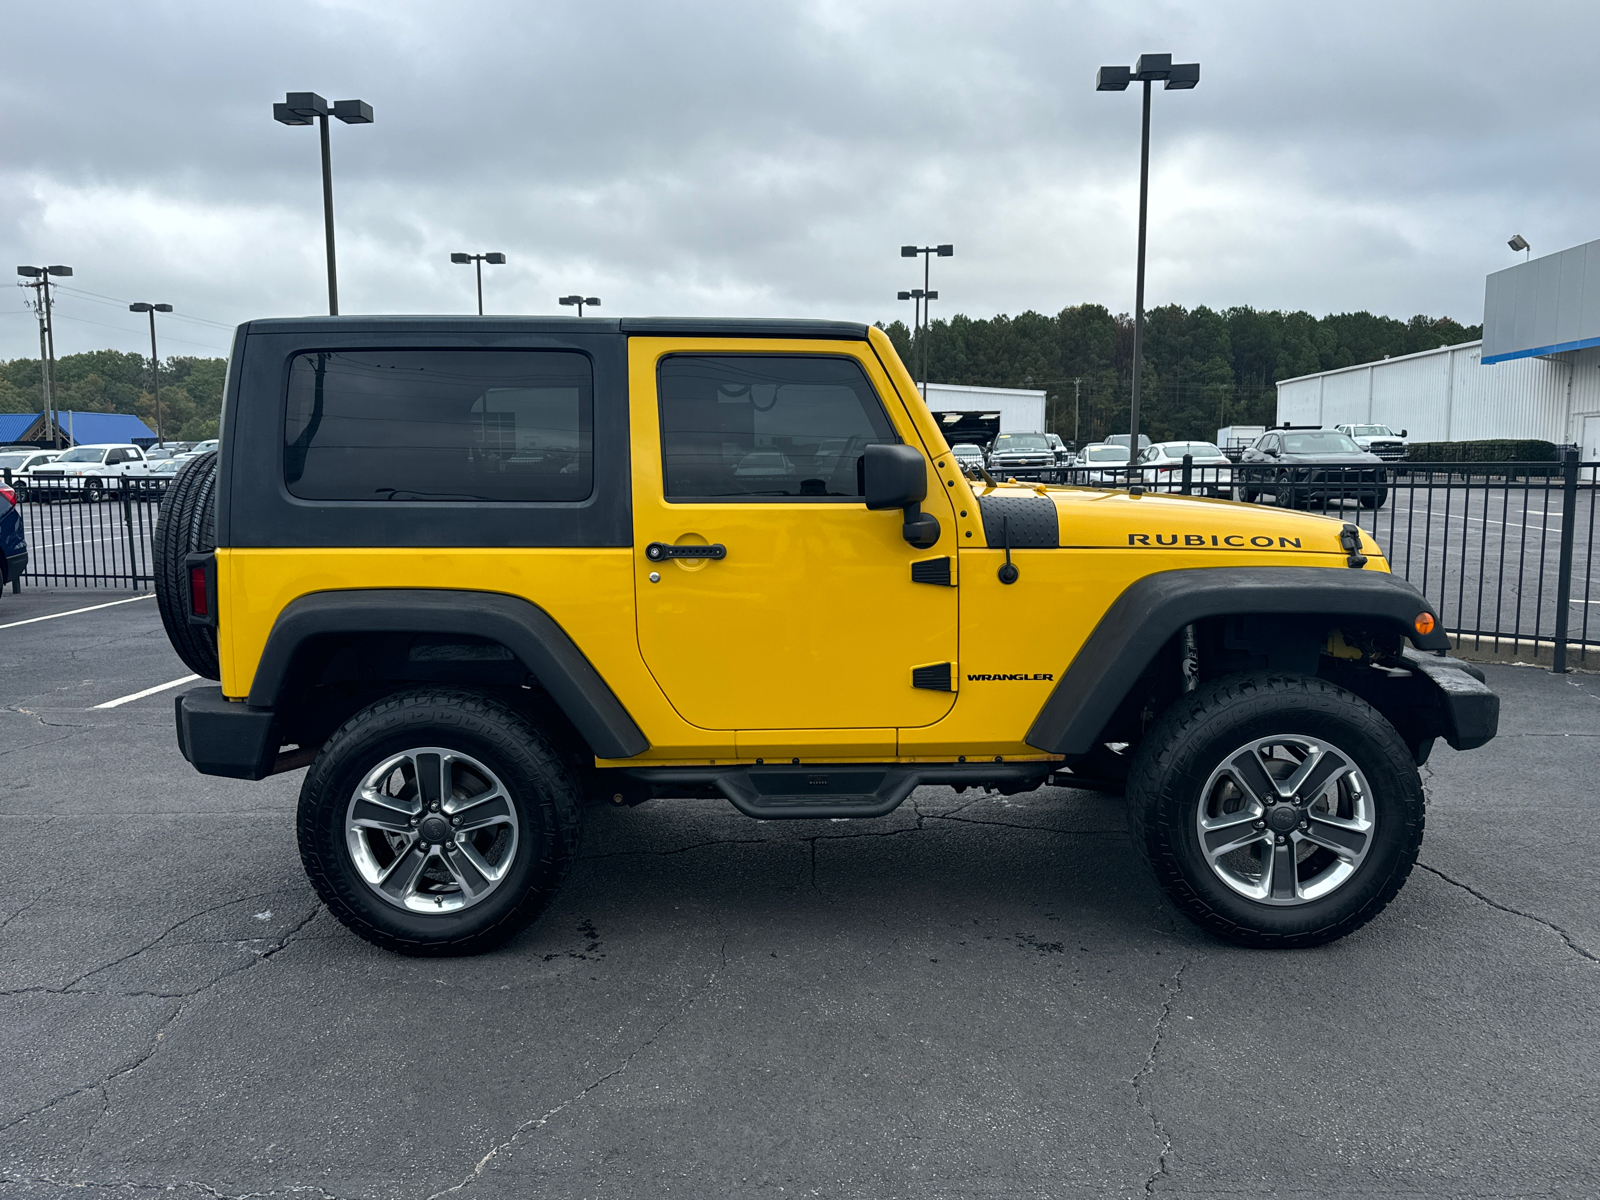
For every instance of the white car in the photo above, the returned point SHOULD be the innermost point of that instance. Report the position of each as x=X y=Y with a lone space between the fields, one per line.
x=1210 y=470
x=1377 y=439
x=1108 y=464
x=20 y=463
x=95 y=465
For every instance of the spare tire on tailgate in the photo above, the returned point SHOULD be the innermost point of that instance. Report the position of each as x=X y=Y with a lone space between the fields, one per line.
x=187 y=525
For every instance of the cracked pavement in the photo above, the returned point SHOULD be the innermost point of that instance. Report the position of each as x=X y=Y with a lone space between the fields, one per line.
x=975 y=996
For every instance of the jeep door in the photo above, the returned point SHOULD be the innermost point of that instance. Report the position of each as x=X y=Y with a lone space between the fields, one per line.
x=803 y=614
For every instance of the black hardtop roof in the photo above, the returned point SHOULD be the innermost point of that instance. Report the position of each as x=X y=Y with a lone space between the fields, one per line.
x=769 y=327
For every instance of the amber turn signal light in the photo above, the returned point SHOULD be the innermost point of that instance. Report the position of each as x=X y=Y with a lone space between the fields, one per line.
x=1423 y=624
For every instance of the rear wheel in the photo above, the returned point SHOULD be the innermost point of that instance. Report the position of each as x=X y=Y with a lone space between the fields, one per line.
x=186 y=524
x=1375 y=499
x=438 y=822
x=1277 y=811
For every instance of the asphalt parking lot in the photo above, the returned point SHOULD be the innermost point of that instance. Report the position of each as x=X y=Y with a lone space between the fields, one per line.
x=971 y=997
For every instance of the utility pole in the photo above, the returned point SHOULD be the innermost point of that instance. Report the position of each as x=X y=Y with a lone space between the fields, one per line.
x=1075 y=387
x=47 y=341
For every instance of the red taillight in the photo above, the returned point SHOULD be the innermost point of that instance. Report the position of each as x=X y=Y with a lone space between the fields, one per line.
x=199 y=601
x=8 y=493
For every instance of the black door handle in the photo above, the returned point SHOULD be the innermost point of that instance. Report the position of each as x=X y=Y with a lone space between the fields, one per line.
x=657 y=551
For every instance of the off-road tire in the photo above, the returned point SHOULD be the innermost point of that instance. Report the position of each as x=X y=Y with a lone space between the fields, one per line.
x=541 y=787
x=1192 y=738
x=186 y=524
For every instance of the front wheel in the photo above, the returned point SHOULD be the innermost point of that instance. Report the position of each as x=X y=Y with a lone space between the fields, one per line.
x=1276 y=811
x=93 y=489
x=438 y=822
x=1375 y=499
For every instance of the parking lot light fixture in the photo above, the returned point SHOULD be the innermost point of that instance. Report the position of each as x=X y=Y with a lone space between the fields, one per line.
x=944 y=250
x=1518 y=242
x=495 y=258
x=155 y=362
x=580 y=301
x=305 y=108
x=1176 y=77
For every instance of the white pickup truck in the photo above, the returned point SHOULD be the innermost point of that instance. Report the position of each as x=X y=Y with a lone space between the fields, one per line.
x=95 y=465
x=1377 y=439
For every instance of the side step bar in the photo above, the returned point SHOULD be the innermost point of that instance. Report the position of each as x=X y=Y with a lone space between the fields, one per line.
x=838 y=790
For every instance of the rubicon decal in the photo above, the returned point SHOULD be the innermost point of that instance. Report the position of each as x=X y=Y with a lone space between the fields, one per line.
x=1233 y=541
x=1009 y=678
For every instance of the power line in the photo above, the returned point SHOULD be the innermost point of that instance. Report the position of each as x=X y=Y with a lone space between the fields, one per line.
x=114 y=300
x=123 y=329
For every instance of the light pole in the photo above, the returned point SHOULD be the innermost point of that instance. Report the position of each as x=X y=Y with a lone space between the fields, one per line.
x=1178 y=77
x=155 y=362
x=580 y=301
x=496 y=258
x=927 y=252
x=302 y=108
x=47 y=342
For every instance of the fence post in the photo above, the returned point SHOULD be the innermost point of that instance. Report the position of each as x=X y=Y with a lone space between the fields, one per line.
x=1188 y=474
x=1569 y=518
x=127 y=529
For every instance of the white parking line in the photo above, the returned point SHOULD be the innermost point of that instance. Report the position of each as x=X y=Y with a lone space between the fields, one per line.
x=160 y=687
x=72 y=612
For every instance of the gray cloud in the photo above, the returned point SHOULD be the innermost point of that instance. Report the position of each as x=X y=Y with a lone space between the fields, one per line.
x=770 y=158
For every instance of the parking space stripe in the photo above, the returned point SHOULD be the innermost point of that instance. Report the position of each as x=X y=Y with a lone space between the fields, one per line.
x=151 y=691
x=72 y=612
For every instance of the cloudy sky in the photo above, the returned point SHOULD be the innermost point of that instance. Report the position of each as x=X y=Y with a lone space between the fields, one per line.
x=744 y=158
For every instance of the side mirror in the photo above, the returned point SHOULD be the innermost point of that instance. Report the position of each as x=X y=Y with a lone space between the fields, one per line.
x=894 y=477
x=1405 y=433
x=897 y=477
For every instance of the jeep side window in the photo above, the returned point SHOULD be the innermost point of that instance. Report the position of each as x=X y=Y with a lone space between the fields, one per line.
x=766 y=426
x=498 y=426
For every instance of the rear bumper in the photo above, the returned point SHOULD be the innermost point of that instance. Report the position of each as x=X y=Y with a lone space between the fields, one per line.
x=16 y=565
x=225 y=737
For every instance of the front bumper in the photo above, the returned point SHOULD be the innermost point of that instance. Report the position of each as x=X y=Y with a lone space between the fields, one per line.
x=16 y=565
x=225 y=737
x=1465 y=711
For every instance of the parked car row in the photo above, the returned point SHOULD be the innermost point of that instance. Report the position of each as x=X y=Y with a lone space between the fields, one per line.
x=1290 y=467
x=86 y=472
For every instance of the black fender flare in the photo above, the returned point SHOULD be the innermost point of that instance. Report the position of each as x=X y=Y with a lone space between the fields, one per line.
x=1142 y=619
x=539 y=643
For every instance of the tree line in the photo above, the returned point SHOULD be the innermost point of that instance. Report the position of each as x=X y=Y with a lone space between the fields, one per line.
x=111 y=381
x=1203 y=369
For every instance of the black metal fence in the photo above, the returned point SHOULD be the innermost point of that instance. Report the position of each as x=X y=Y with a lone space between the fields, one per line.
x=1505 y=551
x=89 y=536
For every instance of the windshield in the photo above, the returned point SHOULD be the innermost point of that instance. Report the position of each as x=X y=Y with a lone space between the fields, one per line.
x=1106 y=454
x=1020 y=441
x=12 y=462
x=1372 y=431
x=966 y=450
x=1319 y=443
x=1192 y=449
x=83 y=454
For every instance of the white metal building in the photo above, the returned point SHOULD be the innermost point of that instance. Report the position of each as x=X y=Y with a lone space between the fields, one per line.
x=1020 y=411
x=1535 y=374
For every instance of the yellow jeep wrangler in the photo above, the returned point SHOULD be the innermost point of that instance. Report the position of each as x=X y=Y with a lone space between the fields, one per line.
x=476 y=572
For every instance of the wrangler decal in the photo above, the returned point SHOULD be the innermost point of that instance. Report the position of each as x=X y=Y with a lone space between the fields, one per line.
x=1006 y=678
